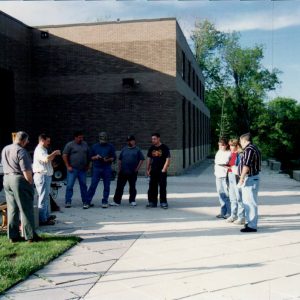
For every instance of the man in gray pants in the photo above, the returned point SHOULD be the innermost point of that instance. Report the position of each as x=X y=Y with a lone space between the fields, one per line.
x=18 y=186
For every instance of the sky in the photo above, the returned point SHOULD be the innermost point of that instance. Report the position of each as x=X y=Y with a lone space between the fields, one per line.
x=273 y=24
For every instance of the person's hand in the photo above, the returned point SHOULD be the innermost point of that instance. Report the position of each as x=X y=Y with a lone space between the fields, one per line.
x=241 y=182
x=57 y=152
x=70 y=169
x=148 y=173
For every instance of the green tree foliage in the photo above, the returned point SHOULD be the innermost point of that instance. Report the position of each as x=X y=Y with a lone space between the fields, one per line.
x=236 y=80
x=278 y=131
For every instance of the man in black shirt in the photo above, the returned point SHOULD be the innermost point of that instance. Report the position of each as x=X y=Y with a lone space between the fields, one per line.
x=249 y=169
x=158 y=161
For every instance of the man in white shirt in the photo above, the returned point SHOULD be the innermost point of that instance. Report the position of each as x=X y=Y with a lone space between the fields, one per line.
x=43 y=171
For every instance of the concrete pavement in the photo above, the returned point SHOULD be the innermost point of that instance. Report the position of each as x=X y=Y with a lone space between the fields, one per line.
x=184 y=252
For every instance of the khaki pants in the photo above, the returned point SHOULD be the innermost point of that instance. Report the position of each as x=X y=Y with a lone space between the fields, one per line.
x=19 y=197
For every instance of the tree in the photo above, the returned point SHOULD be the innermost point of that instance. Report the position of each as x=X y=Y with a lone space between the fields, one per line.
x=278 y=129
x=236 y=80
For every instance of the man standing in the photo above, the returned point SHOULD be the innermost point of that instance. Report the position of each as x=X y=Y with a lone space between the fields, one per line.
x=76 y=159
x=43 y=171
x=19 y=189
x=102 y=156
x=130 y=160
x=158 y=162
x=249 y=169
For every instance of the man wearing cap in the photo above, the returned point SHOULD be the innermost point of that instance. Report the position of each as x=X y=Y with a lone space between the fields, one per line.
x=130 y=160
x=102 y=156
x=18 y=186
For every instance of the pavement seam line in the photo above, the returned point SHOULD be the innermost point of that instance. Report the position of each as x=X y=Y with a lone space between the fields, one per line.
x=102 y=275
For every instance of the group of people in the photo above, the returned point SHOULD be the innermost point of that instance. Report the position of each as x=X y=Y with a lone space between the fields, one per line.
x=20 y=174
x=237 y=181
x=77 y=157
x=236 y=170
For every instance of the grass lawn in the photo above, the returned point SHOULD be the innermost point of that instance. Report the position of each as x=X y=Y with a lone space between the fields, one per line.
x=19 y=260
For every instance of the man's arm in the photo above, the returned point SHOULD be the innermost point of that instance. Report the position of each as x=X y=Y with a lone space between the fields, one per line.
x=51 y=156
x=148 y=166
x=28 y=176
x=166 y=165
x=139 y=165
x=66 y=161
x=245 y=171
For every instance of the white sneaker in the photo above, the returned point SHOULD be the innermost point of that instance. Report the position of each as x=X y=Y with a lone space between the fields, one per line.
x=133 y=203
x=230 y=219
x=113 y=204
x=239 y=221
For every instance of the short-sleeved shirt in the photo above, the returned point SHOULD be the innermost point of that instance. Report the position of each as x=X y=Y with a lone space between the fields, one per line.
x=105 y=150
x=41 y=164
x=15 y=159
x=130 y=158
x=158 y=156
x=78 y=154
x=252 y=159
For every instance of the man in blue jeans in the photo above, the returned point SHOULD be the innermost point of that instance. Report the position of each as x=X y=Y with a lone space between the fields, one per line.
x=249 y=169
x=43 y=171
x=102 y=156
x=76 y=159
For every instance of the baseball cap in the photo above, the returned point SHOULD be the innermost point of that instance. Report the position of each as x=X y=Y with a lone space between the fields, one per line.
x=130 y=138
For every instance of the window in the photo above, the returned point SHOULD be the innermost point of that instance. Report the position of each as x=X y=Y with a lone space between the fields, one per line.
x=183 y=66
x=189 y=74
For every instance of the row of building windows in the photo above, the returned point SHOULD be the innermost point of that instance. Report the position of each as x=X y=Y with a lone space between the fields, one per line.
x=196 y=132
x=189 y=75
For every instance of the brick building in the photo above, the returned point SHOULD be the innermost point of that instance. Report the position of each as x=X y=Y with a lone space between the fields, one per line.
x=133 y=77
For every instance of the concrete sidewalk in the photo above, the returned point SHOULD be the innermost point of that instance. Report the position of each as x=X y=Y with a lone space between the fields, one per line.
x=184 y=252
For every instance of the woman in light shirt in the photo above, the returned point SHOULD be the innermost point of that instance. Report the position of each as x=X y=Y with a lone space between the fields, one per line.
x=221 y=167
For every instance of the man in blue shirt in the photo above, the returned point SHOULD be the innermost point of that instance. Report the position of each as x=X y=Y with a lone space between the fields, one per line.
x=102 y=156
x=130 y=160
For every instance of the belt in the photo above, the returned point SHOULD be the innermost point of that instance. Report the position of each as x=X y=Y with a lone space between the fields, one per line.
x=13 y=174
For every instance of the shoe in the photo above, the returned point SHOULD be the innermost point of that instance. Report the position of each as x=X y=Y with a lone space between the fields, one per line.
x=248 y=229
x=104 y=205
x=133 y=203
x=48 y=222
x=221 y=216
x=52 y=217
x=231 y=219
x=67 y=205
x=35 y=239
x=91 y=205
x=150 y=205
x=164 y=205
x=239 y=221
x=57 y=208
x=16 y=240
x=114 y=204
x=85 y=206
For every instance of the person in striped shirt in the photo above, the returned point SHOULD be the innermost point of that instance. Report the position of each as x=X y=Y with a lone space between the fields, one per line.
x=249 y=168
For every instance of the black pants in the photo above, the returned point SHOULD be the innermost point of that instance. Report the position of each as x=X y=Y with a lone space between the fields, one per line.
x=157 y=179
x=121 y=182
